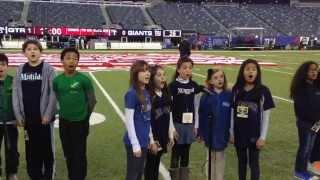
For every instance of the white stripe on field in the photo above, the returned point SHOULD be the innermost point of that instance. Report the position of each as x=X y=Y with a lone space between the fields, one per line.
x=164 y=172
x=283 y=99
x=278 y=71
x=283 y=62
x=275 y=97
x=290 y=68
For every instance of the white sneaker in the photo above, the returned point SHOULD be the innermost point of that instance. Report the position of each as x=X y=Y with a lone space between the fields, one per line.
x=315 y=178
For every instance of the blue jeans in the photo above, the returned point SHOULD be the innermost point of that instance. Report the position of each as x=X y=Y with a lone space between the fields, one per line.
x=306 y=143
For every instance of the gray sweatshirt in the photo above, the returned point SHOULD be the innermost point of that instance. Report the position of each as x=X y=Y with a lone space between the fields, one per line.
x=48 y=102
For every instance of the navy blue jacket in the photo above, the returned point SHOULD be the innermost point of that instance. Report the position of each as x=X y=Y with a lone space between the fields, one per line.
x=219 y=106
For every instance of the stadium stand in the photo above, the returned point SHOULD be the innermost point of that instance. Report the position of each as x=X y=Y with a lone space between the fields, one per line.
x=232 y=17
x=204 y=18
x=10 y=11
x=311 y=12
x=187 y=16
x=65 y=14
x=128 y=17
x=290 y=21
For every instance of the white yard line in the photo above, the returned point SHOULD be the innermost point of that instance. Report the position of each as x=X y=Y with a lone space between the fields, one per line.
x=164 y=172
x=283 y=99
x=289 y=68
x=275 y=97
x=282 y=72
x=285 y=62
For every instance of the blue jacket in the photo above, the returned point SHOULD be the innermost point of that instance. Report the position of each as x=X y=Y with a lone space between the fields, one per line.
x=219 y=106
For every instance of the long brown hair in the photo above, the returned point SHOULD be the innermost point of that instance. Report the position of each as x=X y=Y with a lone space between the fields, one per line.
x=210 y=73
x=138 y=66
x=179 y=64
x=298 y=82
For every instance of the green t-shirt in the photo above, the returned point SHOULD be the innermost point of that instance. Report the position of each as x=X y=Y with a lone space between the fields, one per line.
x=72 y=94
x=1 y=100
x=6 y=112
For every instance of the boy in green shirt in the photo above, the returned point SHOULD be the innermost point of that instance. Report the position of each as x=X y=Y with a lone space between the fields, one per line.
x=8 y=129
x=75 y=94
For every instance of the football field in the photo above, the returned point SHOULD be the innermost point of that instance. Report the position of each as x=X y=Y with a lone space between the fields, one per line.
x=106 y=152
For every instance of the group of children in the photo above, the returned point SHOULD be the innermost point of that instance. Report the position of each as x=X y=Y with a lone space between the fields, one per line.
x=158 y=116
x=30 y=100
x=174 y=116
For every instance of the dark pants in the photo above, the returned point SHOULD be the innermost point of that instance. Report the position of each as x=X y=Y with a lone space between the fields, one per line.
x=73 y=137
x=315 y=155
x=135 y=166
x=306 y=142
x=244 y=154
x=11 y=148
x=180 y=153
x=151 y=171
x=39 y=151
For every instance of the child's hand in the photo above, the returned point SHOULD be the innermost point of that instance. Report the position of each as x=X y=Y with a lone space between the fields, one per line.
x=137 y=154
x=231 y=140
x=171 y=143
x=260 y=143
x=20 y=123
x=175 y=135
x=195 y=132
x=154 y=148
x=199 y=139
x=45 y=120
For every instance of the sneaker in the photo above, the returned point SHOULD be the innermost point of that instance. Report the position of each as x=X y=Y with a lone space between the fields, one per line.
x=305 y=176
x=12 y=177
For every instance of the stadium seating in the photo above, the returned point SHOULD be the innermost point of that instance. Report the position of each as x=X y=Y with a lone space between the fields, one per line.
x=127 y=17
x=10 y=11
x=63 y=14
x=187 y=16
x=203 y=18
x=289 y=21
x=311 y=12
x=238 y=17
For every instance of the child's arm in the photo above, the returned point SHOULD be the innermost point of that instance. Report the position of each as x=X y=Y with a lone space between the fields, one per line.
x=52 y=104
x=202 y=114
x=172 y=129
x=196 y=110
x=172 y=132
x=92 y=101
x=91 y=97
x=16 y=99
x=231 y=131
x=267 y=104
x=264 y=129
x=129 y=115
x=151 y=136
x=153 y=145
x=265 y=124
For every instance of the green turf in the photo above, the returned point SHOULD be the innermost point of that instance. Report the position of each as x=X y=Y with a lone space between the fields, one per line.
x=106 y=155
